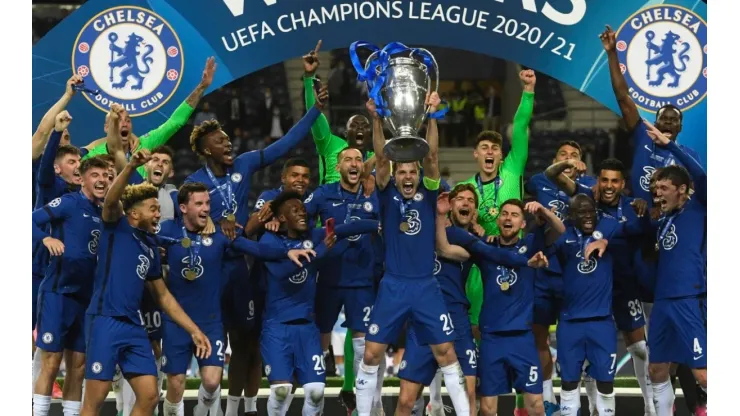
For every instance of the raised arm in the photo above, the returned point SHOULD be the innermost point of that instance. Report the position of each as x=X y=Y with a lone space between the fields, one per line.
x=629 y=110
x=545 y=216
x=356 y=227
x=112 y=208
x=320 y=130
x=41 y=136
x=382 y=163
x=431 y=160
x=555 y=174
x=516 y=160
x=113 y=140
x=443 y=246
x=46 y=173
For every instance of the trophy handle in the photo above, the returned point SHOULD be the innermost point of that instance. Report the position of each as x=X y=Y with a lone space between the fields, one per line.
x=436 y=72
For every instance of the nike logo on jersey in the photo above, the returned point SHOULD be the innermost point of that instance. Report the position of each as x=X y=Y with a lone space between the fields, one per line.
x=546 y=189
x=696 y=358
x=648 y=149
x=611 y=372
x=336 y=204
x=571 y=241
x=318 y=373
x=86 y=215
x=531 y=384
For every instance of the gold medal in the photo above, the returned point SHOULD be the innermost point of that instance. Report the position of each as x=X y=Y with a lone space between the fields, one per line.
x=404 y=227
x=493 y=211
x=190 y=274
x=504 y=286
x=186 y=242
x=231 y=217
x=657 y=247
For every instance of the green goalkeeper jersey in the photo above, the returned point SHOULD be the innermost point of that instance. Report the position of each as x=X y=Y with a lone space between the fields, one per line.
x=511 y=177
x=155 y=138
x=328 y=145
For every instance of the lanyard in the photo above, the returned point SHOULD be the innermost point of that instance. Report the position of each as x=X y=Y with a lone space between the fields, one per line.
x=194 y=247
x=663 y=231
x=348 y=215
x=582 y=244
x=405 y=204
x=620 y=212
x=497 y=186
x=225 y=198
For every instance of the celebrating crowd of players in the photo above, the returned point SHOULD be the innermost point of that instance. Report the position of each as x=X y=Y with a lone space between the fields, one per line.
x=132 y=277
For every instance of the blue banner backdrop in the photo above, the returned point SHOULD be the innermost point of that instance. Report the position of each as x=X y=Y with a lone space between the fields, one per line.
x=662 y=45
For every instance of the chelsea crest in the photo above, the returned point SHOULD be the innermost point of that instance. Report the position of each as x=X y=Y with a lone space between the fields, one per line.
x=132 y=56
x=663 y=50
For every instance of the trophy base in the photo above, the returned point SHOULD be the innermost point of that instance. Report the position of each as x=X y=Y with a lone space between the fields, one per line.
x=406 y=149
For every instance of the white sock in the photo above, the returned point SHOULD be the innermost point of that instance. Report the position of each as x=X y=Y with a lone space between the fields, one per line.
x=378 y=396
x=570 y=402
x=205 y=401
x=128 y=397
x=663 y=396
x=365 y=382
x=606 y=403
x=215 y=409
x=160 y=380
x=288 y=401
x=276 y=401
x=117 y=385
x=455 y=383
x=36 y=368
x=41 y=404
x=173 y=409
x=548 y=395
x=70 y=408
x=358 y=345
x=418 y=408
x=232 y=405
x=639 y=354
x=435 y=391
x=591 y=392
x=250 y=404
x=313 y=398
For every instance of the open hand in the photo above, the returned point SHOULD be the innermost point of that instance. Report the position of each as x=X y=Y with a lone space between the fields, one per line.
x=599 y=246
x=658 y=137
x=443 y=203
x=640 y=206
x=539 y=260
x=56 y=247
x=207 y=77
x=296 y=254
x=202 y=345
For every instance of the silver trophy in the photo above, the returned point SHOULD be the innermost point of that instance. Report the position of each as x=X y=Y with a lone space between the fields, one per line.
x=407 y=82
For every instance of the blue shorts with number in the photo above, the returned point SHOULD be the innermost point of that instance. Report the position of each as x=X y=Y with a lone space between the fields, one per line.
x=678 y=332
x=506 y=361
x=151 y=316
x=626 y=305
x=112 y=341
x=419 y=364
x=357 y=302
x=548 y=298
x=178 y=347
x=238 y=308
x=36 y=283
x=292 y=349
x=61 y=322
x=594 y=340
x=418 y=300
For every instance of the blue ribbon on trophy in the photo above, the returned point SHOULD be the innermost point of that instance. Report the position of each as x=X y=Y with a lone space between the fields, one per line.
x=389 y=76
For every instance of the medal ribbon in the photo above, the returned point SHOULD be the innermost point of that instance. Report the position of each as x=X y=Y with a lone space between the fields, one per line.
x=497 y=186
x=194 y=247
x=582 y=244
x=663 y=231
x=505 y=269
x=348 y=215
x=225 y=198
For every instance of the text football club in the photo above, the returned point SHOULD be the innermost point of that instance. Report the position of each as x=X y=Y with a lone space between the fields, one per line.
x=130 y=55
x=664 y=51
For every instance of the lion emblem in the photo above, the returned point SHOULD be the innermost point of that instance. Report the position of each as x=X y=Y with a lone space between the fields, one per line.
x=128 y=58
x=670 y=61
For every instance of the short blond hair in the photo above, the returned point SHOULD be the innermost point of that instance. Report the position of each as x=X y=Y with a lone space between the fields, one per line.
x=134 y=194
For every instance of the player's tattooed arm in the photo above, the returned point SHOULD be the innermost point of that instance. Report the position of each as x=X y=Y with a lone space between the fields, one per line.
x=382 y=163
x=41 y=136
x=169 y=305
x=431 y=160
x=443 y=246
x=113 y=139
x=545 y=216
x=112 y=207
x=629 y=110
x=205 y=82
x=555 y=174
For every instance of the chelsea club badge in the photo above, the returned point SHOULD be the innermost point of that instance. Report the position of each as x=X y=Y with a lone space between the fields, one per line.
x=130 y=55
x=663 y=55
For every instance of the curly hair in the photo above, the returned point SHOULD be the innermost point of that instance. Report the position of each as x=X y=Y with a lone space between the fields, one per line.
x=134 y=194
x=200 y=131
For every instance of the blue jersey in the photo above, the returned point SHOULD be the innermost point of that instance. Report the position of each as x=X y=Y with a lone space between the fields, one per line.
x=410 y=253
x=508 y=284
x=230 y=193
x=34 y=174
x=291 y=291
x=587 y=286
x=355 y=269
x=75 y=221
x=126 y=258
x=548 y=194
x=682 y=239
x=648 y=157
x=200 y=294
x=49 y=186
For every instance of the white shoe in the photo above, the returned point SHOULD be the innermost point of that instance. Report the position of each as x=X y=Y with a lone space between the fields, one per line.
x=435 y=411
